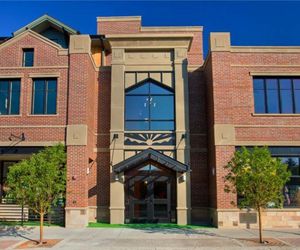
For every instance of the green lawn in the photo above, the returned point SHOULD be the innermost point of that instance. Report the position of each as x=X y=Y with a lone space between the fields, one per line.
x=145 y=226
x=27 y=223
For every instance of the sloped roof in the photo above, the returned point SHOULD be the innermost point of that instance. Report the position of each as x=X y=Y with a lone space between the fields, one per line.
x=150 y=154
x=45 y=20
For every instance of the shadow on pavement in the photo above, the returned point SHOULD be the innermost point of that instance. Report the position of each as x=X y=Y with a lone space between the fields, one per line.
x=16 y=231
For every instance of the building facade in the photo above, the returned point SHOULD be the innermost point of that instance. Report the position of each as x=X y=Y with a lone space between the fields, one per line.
x=148 y=124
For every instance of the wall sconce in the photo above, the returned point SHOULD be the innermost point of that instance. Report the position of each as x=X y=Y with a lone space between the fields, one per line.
x=117 y=177
x=183 y=136
x=115 y=136
x=183 y=177
x=91 y=163
x=13 y=137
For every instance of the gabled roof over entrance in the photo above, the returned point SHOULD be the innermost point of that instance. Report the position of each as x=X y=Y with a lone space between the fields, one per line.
x=153 y=155
x=44 y=22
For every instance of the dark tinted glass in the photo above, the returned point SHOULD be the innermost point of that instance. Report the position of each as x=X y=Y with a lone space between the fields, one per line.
x=4 y=94
x=286 y=96
x=271 y=84
x=162 y=108
x=296 y=84
x=272 y=95
x=137 y=107
x=39 y=97
x=52 y=85
x=272 y=101
x=15 y=97
x=45 y=96
x=137 y=125
x=160 y=190
x=162 y=125
x=149 y=107
x=259 y=101
x=28 y=57
x=140 y=90
x=9 y=97
x=258 y=83
x=158 y=90
x=51 y=102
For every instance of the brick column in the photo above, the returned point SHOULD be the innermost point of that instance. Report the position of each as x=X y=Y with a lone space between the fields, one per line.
x=77 y=130
x=225 y=214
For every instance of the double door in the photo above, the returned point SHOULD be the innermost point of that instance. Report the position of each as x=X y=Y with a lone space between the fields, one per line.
x=148 y=199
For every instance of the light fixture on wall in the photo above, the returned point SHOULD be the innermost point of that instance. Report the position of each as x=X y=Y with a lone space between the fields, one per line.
x=183 y=178
x=117 y=177
x=13 y=137
x=91 y=163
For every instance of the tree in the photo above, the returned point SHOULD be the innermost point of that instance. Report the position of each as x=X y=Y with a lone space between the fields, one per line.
x=258 y=178
x=39 y=181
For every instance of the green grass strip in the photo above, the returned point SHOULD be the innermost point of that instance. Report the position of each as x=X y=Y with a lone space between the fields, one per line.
x=28 y=223
x=146 y=226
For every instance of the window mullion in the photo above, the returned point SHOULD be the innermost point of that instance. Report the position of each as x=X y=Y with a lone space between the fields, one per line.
x=33 y=97
x=9 y=97
x=266 y=96
x=293 y=96
x=46 y=97
x=149 y=107
x=279 y=96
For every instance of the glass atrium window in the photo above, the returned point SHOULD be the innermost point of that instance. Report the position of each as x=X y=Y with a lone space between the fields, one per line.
x=149 y=106
x=28 y=57
x=276 y=95
x=44 y=96
x=9 y=97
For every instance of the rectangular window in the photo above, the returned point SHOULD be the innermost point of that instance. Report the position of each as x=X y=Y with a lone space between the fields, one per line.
x=9 y=97
x=44 y=96
x=276 y=95
x=28 y=57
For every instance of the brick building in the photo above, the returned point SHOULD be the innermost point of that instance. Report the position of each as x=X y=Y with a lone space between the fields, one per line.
x=148 y=124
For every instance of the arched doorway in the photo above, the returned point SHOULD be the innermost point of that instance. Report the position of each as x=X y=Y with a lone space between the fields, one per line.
x=150 y=194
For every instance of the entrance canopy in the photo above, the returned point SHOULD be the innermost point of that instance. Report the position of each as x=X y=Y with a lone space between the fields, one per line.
x=150 y=155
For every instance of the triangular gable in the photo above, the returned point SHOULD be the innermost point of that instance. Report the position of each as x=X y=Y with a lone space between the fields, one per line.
x=43 y=22
x=150 y=155
x=34 y=34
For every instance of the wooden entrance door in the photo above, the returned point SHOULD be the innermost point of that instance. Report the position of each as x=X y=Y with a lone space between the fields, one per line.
x=149 y=195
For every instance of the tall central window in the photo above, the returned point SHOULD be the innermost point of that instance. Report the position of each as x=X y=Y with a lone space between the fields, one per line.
x=149 y=106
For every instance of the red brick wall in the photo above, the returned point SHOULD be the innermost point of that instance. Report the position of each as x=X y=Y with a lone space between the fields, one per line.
x=81 y=110
x=99 y=178
x=118 y=27
x=195 y=54
x=233 y=103
x=198 y=139
x=45 y=54
x=37 y=128
x=210 y=131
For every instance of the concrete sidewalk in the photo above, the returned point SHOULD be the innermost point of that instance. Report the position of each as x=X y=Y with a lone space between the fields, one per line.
x=175 y=239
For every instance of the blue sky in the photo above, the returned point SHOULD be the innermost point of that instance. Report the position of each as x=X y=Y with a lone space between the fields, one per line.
x=250 y=22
